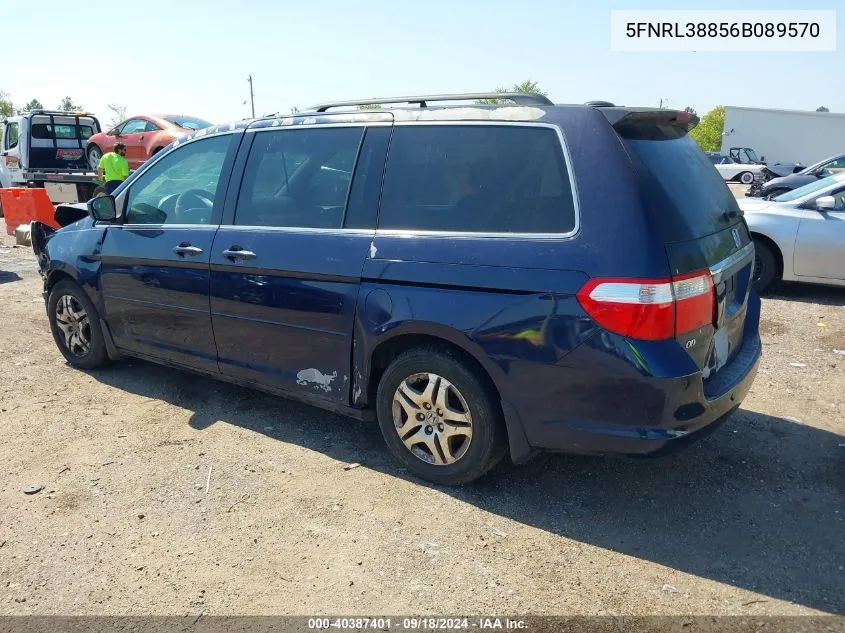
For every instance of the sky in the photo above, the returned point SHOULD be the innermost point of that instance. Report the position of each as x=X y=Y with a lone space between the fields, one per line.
x=193 y=57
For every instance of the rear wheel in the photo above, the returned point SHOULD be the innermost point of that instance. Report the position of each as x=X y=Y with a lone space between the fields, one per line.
x=75 y=324
x=439 y=417
x=765 y=266
x=94 y=156
x=746 y=178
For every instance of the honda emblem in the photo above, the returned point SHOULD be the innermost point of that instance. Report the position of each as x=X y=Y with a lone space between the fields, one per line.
x=737 y=240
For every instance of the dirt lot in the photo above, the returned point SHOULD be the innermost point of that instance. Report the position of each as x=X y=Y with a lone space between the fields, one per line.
x=749 y=521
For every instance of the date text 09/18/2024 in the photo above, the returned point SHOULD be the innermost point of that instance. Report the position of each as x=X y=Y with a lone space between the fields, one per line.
x=416 y=624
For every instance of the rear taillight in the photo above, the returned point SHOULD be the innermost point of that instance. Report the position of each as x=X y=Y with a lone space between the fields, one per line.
x=650 y=309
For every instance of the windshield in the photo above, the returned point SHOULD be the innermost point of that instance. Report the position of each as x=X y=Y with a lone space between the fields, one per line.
x=813 y=187
x=751 y=154
x=188 y=123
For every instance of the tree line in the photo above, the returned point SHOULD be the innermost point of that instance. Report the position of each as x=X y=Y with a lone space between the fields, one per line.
x=7 y=107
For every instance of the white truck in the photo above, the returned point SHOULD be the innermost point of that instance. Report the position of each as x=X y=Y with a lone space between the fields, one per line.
x=46 y=148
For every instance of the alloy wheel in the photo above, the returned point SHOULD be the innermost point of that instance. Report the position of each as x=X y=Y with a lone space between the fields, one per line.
x=432 y=419
x=75 y=325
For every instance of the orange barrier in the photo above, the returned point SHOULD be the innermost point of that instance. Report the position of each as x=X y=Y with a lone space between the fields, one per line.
x=22 y=206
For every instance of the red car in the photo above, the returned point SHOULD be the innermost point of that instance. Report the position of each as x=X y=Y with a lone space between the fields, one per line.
x=143 y=135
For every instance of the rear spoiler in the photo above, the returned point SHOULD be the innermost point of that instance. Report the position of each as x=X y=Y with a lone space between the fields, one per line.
x=650 y=123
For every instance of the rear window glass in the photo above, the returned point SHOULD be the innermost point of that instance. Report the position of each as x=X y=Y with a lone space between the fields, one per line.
x=479 y=179
x=60 y=131
x=188 y=123
x=686 y=195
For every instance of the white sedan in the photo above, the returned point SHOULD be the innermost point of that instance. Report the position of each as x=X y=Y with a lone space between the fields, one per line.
x=800 y=235
x=731 y=171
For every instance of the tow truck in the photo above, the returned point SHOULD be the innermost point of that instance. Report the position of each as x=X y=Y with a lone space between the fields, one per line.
x=46 y=148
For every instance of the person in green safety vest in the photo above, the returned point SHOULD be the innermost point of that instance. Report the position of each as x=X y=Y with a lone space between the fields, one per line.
x=113 y=168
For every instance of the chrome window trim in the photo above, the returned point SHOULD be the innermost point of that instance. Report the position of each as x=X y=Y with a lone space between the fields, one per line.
x=314 y=126
x=159 y=227
x=296 y=229
x=567 y=159
x=720 y=268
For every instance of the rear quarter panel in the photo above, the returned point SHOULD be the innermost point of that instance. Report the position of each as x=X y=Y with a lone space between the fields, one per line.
x=781 y=227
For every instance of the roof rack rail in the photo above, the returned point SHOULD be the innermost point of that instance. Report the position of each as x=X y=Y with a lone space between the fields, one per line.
x=520 y=98
x=58 y=112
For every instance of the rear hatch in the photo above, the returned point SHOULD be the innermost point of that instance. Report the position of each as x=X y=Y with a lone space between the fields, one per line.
x=57 y=141
x=699 y=221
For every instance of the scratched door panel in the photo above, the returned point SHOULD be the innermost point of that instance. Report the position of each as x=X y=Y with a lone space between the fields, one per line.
x=285 y=275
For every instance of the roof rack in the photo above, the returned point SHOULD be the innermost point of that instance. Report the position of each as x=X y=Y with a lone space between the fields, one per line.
x=58 y=113
x=521 y=98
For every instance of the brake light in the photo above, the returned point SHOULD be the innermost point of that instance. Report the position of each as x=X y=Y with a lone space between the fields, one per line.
x=650 y=309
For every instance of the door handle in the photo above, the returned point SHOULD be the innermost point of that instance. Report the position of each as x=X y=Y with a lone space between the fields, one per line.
x=236 y=252
x=186 y=249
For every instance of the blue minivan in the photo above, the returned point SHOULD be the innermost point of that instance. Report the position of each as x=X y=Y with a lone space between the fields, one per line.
x=479 y=279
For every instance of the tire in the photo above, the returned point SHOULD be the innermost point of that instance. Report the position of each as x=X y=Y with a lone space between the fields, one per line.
x=94 y=155
x=75 y=324
x=746 y=178
x=465 y=457
x=765 y=266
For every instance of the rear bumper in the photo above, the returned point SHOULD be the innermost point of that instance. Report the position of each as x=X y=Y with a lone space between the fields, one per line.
x=616 y=412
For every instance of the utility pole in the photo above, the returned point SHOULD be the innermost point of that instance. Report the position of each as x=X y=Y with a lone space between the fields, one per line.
x=251 y=96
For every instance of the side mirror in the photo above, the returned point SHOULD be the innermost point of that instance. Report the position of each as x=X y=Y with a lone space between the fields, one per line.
x=825 y=203
x=102 y=208
x=762 y=159
x=112 y=133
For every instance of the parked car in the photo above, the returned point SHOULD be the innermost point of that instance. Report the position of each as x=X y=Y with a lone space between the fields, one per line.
x=143 y=135
x=733 y=171
x=743 y=165
x=800 y=235
x=478 y=279
x=777 y=186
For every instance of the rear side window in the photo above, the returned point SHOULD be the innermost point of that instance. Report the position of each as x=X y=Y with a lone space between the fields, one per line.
x=687 y=198
x=12 y=136
x=478 y=179
x=60 y=131
x=298 y=178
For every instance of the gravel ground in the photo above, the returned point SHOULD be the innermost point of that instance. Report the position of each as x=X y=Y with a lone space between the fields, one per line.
x=748 y=521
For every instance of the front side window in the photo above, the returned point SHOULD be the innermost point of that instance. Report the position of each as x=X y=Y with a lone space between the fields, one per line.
x=12 y=136
x=833 y=167
x=477 y=178
x=181 y=187
x=839 y=196
x=298 y=178
x=807 y=190
x=135 y=126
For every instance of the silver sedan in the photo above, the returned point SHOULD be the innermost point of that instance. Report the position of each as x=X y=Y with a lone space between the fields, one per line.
x=800 y=235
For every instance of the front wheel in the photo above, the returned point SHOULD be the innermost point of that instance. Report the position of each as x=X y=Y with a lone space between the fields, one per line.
x=440 y=417
x=75 y=324
x=746 y=178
